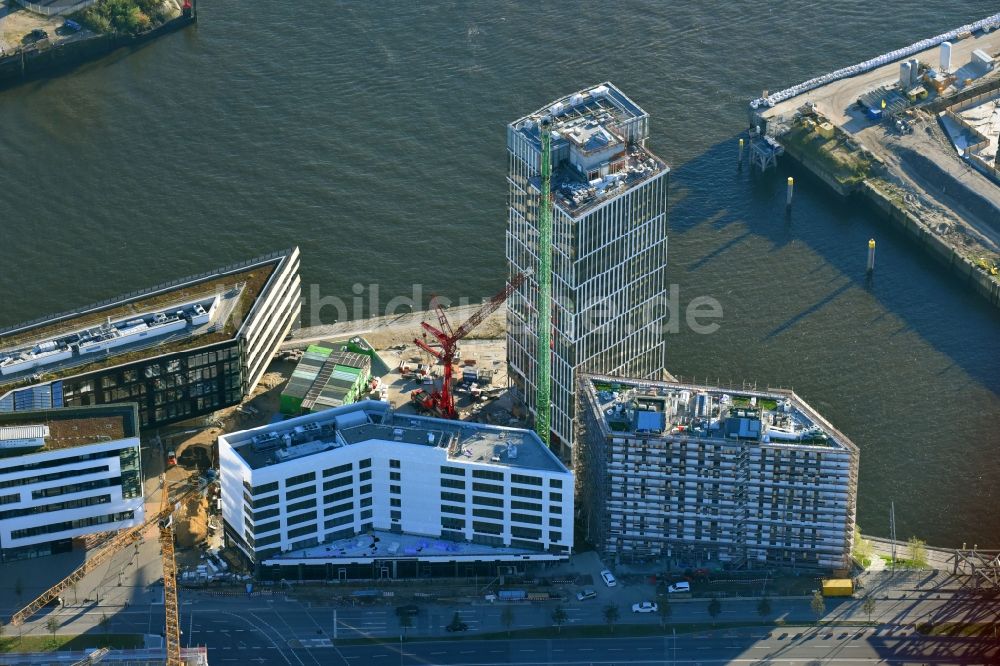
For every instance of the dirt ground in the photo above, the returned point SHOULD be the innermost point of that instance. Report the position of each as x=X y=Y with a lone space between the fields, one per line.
x=192 y=529
x=16 y=22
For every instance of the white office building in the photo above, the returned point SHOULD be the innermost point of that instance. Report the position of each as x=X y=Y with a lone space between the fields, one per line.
x=704 y=476
x=360 y=491
x=609 y=258
x=65 y=474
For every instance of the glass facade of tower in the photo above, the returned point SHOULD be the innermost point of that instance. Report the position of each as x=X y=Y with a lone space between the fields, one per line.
x=609 y=285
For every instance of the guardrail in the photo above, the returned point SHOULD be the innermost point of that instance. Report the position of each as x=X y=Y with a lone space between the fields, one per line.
x=924 y=44
x=59 y=10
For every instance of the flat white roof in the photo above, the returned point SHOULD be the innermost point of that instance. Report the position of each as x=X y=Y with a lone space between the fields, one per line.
x=8 y=433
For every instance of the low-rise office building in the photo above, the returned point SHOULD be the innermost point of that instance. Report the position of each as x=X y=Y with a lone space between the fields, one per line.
x=67 y=473
x=360 y=491
x=328 y=375
x=178 y=350
x=697 y=474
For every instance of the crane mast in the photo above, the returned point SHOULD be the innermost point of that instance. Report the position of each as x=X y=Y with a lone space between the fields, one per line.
x=543 y=393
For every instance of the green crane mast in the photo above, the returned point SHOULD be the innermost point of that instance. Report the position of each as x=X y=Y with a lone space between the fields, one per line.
x=543 y=395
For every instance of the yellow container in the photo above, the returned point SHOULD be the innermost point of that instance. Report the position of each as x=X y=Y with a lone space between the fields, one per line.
x=825 y=130
x=838 y=587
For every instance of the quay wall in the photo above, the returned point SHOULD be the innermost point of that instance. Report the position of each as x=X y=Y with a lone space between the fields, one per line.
x=940 y=249
x=31 y=63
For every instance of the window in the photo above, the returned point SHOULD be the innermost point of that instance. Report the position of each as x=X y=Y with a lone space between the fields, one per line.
x=336 y=497
x=337 y=471
x=394 y=464
x=395 y=490
x=301 y=478
x=307 y=504
x=366 y=514
x=526 y=518
x=487 y=488
x=366 y=501
x=337 y=483
x=394 y=476
x=454 y=471
x=366 y=476
x=452 y=483
x=555 y=497
x=525 y=533
x=487 y=501
x=395 y=515
x=299 y=492
x=367 y=462
x=555 y=522
x=295 y=520
x=299 y=531
x=266 y=541
x=265 y=488
x=488 y=513
x=267 y=527
x=487 y=474
x=487 y=528
x=555 y=483
x=526 y=506
x=555 y=536
x=452 y=523
x=452 y=497
x=395 y=501
x=267 y=501
x=447 y=508
x=340 y=508
x=367 y=488
x=526 y=480
x=339 y=520
x=526 y=492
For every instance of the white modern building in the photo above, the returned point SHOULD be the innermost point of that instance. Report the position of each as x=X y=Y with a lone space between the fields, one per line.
x=704 y=476
x=609 y=259
x=361 y=489
x=179 y=350
x=67 y=473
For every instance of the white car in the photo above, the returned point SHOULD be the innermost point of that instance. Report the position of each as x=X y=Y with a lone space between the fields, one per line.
x=645 y=607
x=609 y=578
x=585 y=595
x=682 y=586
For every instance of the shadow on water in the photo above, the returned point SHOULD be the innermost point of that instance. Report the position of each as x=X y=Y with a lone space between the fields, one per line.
x=931 y=301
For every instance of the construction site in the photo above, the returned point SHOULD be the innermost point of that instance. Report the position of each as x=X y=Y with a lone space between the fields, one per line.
x=915 y=133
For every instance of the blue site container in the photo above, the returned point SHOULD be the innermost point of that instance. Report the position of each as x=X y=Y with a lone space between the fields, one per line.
x=875 y=114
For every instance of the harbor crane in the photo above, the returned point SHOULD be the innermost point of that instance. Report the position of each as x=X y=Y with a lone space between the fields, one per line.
x=163 y=519
x=442 y=402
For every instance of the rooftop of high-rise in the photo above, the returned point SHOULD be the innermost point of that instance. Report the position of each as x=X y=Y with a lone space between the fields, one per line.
x=648 y=408
x=597 y=146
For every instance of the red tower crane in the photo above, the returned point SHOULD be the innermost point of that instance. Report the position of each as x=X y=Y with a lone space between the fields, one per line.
x=443 y=401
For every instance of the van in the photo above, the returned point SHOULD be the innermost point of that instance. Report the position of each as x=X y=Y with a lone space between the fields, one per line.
x=682 y=586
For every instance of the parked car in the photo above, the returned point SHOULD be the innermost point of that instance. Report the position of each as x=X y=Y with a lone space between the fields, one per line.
x=71 y=26
x=681 y=586
x=37 y=35
x=645 y=607
x=609 y=578
x=585 y=595
x=171 y=458
x=457 y=626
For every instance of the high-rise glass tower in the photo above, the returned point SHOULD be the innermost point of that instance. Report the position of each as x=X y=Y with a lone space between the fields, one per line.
x=609 y=256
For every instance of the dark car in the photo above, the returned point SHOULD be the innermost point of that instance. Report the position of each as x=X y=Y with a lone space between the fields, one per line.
x=71 y=26
x=457 y=626
x=409 y=609
x=38 y=35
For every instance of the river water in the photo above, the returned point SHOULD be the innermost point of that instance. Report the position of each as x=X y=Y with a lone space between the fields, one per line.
x=372 y=135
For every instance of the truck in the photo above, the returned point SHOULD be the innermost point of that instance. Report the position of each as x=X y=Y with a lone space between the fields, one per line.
x=838 y=587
